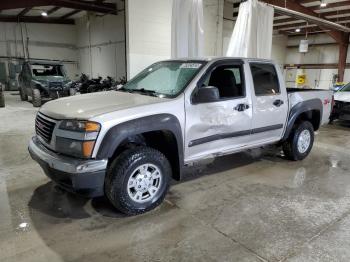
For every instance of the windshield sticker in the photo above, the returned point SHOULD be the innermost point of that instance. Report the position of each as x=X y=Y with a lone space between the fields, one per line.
x=191 y=65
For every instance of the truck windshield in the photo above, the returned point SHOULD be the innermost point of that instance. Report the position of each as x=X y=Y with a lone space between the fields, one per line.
x=48 y=70
x=164 y=79
x=346 y=88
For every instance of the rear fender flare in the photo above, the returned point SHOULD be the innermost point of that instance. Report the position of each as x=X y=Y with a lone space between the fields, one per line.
x=298 y=109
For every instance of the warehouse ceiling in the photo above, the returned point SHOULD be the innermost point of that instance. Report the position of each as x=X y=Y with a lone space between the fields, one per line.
x=53 y=11
x=337 y=11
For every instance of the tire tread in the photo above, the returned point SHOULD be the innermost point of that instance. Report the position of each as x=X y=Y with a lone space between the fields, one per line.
x=116 y=174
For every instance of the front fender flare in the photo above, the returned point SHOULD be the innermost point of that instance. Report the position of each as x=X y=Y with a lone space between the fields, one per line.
x=117 y=134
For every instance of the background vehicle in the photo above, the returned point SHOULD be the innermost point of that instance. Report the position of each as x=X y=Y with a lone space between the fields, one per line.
x=86 y=85
x=341 y=108
x=337 y=86
x=43 y=79
x=127 y=144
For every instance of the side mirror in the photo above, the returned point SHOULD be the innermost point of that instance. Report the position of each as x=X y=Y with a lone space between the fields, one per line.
x=206 y=94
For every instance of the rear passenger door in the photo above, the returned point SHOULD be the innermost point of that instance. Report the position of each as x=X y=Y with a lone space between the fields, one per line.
x=270 y=105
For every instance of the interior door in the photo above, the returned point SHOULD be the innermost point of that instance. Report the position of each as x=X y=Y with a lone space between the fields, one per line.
x=270 y=103
x=216 y=127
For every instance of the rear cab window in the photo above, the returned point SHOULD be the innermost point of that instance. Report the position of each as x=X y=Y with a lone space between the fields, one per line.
x=265 y=79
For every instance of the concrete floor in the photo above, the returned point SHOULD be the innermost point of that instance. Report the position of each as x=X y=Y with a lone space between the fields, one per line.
x=253 y=206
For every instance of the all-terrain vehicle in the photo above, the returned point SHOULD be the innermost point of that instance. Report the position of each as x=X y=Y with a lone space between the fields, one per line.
x=43 y=80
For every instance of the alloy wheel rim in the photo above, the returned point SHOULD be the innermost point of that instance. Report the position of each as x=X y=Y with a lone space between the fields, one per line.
x=304 y=141
x=144 y=183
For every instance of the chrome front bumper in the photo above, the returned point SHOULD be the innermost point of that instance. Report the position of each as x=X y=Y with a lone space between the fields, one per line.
x=84 y=177
x=63 y=163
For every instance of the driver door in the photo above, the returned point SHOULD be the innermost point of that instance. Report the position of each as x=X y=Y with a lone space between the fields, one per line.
x=214 y=128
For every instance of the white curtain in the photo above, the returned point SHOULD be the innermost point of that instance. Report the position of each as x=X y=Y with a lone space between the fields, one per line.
x=252 y=34
x=187 y=33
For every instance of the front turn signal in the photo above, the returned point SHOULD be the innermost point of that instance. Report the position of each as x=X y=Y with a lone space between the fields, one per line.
x=92 y=127
x=88 y=147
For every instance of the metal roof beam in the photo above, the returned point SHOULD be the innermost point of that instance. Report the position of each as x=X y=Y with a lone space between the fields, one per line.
x=106 y=8
x=24 y=11
x=293 y=9
x=36 y=19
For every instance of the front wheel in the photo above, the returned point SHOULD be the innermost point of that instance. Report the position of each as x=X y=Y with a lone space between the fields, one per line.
x=36 y=97
x=300 y=142
x=23 y=94
x=138 y=180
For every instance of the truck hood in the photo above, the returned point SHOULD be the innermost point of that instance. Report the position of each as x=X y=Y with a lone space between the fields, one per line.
x=342 y=96
x=90 y=105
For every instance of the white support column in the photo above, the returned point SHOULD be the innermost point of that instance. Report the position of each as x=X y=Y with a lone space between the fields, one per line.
x=148 y=33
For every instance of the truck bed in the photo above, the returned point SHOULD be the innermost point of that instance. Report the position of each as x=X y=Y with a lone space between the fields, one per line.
x=296 y=95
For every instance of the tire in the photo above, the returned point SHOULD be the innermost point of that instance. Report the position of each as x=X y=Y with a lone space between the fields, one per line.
x=122 y=173
x=296 y=152
x=72 y=91
x=23 y=94
x=36 y=97
x=2 y=99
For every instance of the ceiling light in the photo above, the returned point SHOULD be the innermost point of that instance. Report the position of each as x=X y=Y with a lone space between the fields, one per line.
x=43 y=13
x=297 y=30
x=323 y=3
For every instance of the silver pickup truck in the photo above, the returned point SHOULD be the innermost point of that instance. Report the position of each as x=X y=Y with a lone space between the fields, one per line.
x=128 y=144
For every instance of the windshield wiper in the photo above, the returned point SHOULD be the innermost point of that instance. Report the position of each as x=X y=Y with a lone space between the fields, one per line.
x=124 y=89
x=146 y=91
x=141 y=90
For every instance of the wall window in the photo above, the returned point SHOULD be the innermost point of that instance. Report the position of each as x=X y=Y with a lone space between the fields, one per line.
x=265 y=79
x=228 y=79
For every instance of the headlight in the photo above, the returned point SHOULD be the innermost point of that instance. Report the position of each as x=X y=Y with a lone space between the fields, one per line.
x=42 y=83
x=79 y=140
x=77 y=148
x=80 y=126
x=68 y=84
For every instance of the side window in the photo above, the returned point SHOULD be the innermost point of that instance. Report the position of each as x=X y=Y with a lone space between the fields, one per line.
x=265 y=79
x=228 y=79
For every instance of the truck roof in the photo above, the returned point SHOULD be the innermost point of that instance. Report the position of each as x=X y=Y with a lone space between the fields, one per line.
x=220 y=58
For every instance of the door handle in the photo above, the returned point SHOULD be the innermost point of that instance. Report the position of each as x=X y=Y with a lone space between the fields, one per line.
x=241 y=107
x=278 y=102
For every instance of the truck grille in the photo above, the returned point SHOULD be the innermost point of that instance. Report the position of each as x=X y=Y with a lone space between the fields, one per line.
x=44 y=127
x=56 y=85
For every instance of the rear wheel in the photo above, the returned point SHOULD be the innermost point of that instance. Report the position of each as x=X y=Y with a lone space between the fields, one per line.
x=300 y=141
x=36 y=97
x=23 y=94
x=138 y=180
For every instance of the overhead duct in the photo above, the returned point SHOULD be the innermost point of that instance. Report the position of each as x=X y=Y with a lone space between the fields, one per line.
x=310 y=18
